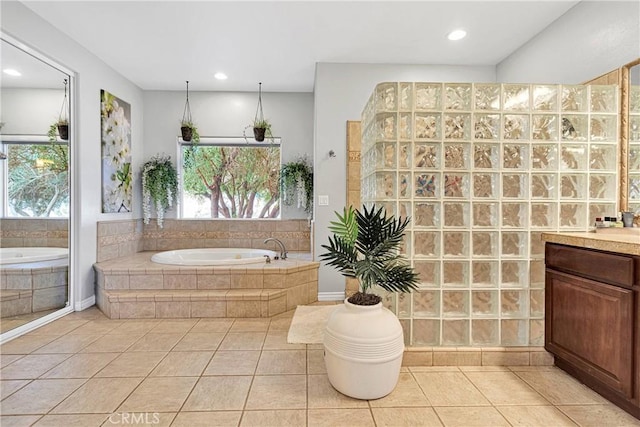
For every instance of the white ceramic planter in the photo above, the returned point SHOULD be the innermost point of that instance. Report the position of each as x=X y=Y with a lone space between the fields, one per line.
x=363 y=347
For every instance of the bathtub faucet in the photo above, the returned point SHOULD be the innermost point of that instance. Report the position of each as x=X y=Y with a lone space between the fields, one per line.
x=283 y=250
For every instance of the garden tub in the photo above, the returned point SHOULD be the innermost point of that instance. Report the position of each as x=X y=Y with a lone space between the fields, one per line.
x=31 y=254
x=33 y=279
x=213 y=256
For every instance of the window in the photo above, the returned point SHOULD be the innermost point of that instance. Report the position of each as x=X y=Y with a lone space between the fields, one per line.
x=230 y=178
x=35 y=178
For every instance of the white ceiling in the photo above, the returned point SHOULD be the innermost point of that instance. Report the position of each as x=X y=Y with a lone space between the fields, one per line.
x=160 y=44
x=35 y=73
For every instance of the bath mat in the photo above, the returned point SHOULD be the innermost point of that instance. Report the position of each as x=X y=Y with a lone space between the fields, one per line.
x=307 y=326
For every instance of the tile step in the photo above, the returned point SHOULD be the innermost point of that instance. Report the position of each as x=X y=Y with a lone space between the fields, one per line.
x=150 y=304
x=194 y=295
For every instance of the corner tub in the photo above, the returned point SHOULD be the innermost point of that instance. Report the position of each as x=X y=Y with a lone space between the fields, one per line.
x=28 y=255
x=33 y=280
x=213 y=256
x=134 y=287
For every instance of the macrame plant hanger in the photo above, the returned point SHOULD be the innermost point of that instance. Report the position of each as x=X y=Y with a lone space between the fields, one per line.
x=63 y=118
x=186 y=126
x=260 y=126
x=64 y=110
x=259 y=114
x=186 y=115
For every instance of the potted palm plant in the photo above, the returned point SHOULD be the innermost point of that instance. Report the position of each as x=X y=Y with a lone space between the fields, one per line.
x=363 y=341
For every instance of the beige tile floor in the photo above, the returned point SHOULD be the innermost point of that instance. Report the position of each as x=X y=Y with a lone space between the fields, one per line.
x=85 y=370
x=13 y=322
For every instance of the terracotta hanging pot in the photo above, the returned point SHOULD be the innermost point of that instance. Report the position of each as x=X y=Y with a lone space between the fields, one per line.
x=187 y=133
x=63 y=131
x=258 y=133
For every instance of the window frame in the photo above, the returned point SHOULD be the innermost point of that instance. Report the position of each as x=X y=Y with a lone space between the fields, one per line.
x=219 y=141
x=5 y=142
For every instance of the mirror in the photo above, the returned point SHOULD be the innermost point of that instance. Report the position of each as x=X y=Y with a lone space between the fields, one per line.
x=35 y=199
x=631 y=112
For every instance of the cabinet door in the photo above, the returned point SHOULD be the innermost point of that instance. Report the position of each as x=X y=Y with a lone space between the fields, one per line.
x=590 y=325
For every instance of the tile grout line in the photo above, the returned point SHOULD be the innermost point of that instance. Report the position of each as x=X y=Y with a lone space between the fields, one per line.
x=86 y=379
x=262 y=351
x=94 y=375
x=493 y=405
x=155 y=366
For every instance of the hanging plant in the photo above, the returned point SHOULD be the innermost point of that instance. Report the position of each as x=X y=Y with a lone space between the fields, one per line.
x=261 y=126
x=61 y=126
x=189 y=132
x=160 y=186
x=296 y=184
x=188 y=129
x=261 y=129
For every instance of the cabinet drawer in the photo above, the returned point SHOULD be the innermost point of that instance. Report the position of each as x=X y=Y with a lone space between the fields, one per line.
x=605 y=267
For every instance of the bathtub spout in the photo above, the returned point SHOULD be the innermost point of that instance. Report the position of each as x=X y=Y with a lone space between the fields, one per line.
x=283 y=250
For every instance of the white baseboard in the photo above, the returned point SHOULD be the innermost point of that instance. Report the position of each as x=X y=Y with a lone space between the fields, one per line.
x=86 y=303
x=330 y=296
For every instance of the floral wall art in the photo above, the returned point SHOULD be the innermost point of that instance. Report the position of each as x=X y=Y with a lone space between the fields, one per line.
x=117 y=185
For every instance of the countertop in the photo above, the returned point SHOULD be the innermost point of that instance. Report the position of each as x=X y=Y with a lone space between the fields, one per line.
x=614 y=241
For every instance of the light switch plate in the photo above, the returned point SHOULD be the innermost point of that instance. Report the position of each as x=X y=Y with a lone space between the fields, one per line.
x=323 y=200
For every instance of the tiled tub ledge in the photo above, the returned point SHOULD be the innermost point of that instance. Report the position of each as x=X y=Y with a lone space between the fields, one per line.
x=135 y=287
x=33 y=287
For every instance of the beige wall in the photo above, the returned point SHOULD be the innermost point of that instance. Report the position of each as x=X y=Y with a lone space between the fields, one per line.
x=27 y=232
x=123 y=238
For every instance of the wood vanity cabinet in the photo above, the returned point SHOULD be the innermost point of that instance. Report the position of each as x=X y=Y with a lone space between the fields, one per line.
x=592 y=320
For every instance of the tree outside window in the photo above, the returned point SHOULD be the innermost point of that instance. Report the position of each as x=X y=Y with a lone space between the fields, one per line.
x=230 y=181
x=37 y=180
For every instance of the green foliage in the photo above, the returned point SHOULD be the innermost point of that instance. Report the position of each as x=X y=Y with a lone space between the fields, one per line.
x=365 y=245
x=240 y=182
x=296 y=183
x=262 y=124
x=160 y=185
x=38 y=184
x=195 y=136
x=346 y=227
x=53 y=129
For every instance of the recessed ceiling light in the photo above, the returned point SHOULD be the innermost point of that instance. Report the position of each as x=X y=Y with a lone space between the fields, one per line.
x=220 y=76
x=12 y=72
x=457 y=34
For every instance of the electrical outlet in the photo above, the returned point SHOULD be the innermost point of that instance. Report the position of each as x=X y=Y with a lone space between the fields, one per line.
x=323 y=200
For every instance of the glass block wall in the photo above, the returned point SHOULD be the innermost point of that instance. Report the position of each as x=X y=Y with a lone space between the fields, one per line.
x=483 y=169
x=634 y=148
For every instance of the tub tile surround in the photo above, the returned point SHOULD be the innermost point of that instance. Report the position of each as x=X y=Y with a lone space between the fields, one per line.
x=241 y=233
x=32 y=232
x=118 y=239
x=38 y=286
x=33 y=287
x=136 y=287
x=129 y=285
